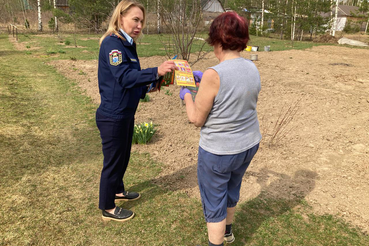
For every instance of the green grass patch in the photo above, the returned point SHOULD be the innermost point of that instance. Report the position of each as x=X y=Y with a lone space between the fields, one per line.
x=280 y=45
x=168 y=93
x=82 y=47
x=86 y=46
x=291 y=222
x=50 y=167
x=145 y=99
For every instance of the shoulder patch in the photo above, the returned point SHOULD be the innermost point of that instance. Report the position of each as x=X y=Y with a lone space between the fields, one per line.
x=115 y=57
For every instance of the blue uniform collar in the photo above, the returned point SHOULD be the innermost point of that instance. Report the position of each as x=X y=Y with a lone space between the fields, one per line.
x=128 y=38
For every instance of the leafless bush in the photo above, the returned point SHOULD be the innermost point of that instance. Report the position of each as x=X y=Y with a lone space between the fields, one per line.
x=274 y=132
x=182 y=18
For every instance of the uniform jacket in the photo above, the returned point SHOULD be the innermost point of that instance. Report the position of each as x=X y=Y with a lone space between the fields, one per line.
x=121 y=81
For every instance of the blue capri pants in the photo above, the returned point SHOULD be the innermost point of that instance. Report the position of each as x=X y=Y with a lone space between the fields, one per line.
x=220 y=178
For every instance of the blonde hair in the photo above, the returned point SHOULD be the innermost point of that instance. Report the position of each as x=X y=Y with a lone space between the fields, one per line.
x=116 y=21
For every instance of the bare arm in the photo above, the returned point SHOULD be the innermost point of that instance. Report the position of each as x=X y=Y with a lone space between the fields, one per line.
x=198 y=111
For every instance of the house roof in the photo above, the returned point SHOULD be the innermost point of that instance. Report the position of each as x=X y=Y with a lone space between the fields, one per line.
x=61 y=3
x=345 y=10
x=212 y=6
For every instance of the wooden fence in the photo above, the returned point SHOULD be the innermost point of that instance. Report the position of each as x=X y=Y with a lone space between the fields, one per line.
x=12 y=29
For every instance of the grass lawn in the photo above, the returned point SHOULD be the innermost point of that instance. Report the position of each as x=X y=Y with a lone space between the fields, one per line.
x=86 y=47
x=51 y=161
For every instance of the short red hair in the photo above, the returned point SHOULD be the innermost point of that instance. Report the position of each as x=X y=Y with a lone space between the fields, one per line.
x=229 y=30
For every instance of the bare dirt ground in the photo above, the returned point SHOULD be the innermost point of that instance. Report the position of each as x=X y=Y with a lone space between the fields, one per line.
x=323 y=155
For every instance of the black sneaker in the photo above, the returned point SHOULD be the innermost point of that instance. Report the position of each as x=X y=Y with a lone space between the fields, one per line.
x=128 y=196
x=229 y=237
x=120 y=214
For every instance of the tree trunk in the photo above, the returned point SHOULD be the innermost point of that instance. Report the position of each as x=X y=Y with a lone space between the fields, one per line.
x=284 y=22
x=158 y=15
x=294 y=23
x=39 y=15
x=147 y=24
x=331 y=19
x=56 y=19
x=335 y=20
x=23 y=10
x=262 y=15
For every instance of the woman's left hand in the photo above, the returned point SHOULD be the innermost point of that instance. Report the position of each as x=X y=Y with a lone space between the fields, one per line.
x=183 y=92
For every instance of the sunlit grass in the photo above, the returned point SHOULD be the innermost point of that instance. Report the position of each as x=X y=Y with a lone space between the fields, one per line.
x=86 y=46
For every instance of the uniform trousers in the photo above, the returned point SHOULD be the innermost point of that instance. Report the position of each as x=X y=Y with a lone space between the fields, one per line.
x=116 y=136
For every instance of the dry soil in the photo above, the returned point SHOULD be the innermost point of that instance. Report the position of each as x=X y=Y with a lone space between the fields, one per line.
x=320 y=155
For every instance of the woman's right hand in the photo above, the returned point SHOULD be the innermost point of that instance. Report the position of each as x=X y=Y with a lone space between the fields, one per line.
x=166 y=67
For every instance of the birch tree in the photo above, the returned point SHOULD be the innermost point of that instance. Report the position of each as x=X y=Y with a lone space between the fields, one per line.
x=331 y=20
x=262 y=14
x=158 y=15
x=335 y=19
x=39 y=16
x=56 y=19
x=293 y=20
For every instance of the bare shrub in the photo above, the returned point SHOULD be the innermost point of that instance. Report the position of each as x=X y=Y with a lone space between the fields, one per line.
x=275 y=132
x=182 y=18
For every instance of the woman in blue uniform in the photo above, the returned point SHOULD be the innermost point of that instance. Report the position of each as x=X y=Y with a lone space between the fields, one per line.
x=121 y=85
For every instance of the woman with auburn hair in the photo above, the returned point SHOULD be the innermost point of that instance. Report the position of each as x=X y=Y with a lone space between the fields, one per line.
x=225 y=109
x=121 y=85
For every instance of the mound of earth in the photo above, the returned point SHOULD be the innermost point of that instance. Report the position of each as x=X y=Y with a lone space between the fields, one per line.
x=326 y=38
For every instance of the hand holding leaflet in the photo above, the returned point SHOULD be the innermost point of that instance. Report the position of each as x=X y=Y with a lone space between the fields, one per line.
x=183 y=92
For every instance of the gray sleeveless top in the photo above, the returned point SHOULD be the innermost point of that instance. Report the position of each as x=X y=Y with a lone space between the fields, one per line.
x=232 y=126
